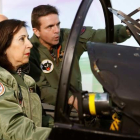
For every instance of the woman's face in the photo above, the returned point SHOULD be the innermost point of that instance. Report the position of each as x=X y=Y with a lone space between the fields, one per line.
x=19 y=51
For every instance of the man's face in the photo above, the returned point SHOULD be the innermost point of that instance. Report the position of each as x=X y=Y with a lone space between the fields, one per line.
x=49 y=31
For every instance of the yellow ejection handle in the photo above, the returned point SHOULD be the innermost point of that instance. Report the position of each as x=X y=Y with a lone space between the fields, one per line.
x=92 y=108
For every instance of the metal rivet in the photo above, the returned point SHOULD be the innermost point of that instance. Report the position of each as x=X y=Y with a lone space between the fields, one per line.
x=115 y=66
x=84 y=115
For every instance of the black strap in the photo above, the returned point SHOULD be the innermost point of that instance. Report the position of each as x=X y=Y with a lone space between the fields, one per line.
x=20 y=82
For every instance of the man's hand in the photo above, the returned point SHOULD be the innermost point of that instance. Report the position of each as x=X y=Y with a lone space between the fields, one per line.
x=73 y=101
x=128 y=32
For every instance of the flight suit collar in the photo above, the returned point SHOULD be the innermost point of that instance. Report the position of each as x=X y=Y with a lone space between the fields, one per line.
x=37 y=43
x=44 y=50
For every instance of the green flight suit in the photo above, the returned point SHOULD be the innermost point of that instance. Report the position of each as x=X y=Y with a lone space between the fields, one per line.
x=20 y=120
x=48 y=81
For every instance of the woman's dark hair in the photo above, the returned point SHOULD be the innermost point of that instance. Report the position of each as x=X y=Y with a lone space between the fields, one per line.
x=39 y=11
x=8 y=28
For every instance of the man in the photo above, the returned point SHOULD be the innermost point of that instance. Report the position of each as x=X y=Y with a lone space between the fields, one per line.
x=2 y=17
x=48 y=48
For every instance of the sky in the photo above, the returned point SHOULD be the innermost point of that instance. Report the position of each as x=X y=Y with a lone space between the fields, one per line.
x=21 y=9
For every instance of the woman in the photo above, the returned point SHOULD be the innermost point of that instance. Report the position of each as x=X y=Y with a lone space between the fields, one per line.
x=20 y=107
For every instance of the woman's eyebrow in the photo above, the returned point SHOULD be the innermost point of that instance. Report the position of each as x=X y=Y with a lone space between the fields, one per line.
x=23 y=36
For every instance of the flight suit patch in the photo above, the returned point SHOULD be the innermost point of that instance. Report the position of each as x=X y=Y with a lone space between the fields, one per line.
x=47 y=66
x=2 y=89
x=83 y=30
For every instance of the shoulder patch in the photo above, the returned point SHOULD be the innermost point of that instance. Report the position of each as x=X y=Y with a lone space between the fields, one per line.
x=83 y=30
x=2 y=89
x=47 y=66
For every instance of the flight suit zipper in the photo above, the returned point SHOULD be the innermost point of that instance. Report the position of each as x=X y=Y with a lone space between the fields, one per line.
x=20 y=98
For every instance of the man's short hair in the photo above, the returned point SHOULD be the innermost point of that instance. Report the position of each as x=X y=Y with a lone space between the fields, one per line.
x=39 y=11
